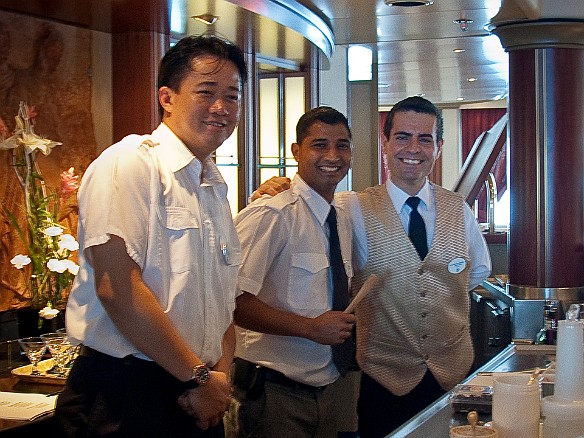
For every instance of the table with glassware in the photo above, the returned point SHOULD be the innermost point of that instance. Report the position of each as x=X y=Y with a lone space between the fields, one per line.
x=437 y=419
x=33 y=371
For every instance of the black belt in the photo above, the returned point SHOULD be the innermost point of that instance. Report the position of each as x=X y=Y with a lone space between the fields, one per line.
x=278 y=377
x=86 y=351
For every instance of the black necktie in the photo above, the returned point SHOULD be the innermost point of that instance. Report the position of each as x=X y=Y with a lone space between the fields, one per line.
x=342 y=354
x=417 y=228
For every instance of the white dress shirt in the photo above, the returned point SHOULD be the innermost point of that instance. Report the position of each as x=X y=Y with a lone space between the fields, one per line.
x=285 y=264
x=174 y=218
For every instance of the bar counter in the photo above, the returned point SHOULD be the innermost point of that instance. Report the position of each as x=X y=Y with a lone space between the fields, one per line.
x=437 y=419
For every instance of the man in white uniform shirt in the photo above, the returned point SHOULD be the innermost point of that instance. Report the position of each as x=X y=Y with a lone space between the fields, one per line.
x=153 y=302
x=284 y=372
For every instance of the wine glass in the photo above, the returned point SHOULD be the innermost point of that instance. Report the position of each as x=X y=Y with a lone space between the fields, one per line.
x=34 y=347
x=58 y=346
x=71 y=353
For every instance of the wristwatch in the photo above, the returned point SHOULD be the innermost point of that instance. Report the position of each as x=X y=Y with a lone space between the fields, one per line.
x=201 y=374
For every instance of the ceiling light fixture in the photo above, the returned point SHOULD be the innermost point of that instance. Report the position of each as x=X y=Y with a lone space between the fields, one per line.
x=208 y=19
x=458 y=50
x=409 y=3
x=463 y=23
x=471 y=79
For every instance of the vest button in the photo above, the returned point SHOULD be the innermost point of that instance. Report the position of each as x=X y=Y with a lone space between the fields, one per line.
x=426 y=357
x=422 y=294
x=424 y=314
x=424 y=337
x=420 y=271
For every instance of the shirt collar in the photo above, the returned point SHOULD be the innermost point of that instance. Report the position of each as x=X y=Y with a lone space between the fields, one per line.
x=174 y=151
x=316 y=203
x=399 y=197
x=178 y=156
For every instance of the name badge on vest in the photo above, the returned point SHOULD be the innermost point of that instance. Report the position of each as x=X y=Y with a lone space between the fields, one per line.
x=457 y=265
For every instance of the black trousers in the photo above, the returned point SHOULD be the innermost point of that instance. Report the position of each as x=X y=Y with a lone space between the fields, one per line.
x=123 y=397
x=380 y=412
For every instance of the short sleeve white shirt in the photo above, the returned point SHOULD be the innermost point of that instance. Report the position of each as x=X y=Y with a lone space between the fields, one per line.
x=172 y=213
x=285 y=264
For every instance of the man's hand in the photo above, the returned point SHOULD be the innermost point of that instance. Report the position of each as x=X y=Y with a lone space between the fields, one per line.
x=332 y=327
x=272 y=187
x=208 y=402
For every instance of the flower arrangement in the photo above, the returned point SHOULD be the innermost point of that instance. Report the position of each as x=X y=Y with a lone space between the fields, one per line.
x=48 y=264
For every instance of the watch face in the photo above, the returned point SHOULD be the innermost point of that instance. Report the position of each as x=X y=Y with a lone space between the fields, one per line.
x=201 y=374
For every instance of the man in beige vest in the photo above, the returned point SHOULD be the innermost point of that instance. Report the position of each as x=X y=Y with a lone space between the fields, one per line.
x=413 y=329
x=413 y=332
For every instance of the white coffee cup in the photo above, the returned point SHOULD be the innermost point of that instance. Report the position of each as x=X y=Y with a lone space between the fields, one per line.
x=516 y=406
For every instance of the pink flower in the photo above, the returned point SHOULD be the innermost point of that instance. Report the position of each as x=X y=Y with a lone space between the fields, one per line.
x=69 y=183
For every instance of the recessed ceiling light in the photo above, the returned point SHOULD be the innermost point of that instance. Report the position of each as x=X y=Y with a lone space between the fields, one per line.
x=458 y=50
x=460 y=98
x=409 y=3
x=471 y=79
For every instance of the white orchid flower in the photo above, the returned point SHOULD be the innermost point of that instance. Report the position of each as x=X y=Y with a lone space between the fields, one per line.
x=53 y=231
x=57 y=265
x=72 y=267
x=33 y=142
x=48 y=312
x=20 y=260
x=67 y=241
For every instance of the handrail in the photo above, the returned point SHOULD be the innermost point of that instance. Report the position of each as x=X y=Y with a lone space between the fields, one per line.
x=480 y=160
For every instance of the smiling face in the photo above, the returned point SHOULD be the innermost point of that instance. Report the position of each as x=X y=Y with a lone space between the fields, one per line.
x=204 y=111
x=411 y=149
x=324 y=157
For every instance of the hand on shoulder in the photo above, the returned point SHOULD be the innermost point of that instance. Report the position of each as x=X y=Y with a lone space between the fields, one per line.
x=272 y=187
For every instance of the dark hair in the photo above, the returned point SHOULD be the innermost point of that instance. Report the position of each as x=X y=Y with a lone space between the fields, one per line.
x=177 y=62
x=324 y=114
x=419 y=105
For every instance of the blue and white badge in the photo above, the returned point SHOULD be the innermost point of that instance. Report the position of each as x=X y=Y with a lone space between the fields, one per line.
x=456 y=265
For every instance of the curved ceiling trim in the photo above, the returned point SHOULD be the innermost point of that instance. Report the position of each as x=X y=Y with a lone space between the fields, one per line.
x=297 y=17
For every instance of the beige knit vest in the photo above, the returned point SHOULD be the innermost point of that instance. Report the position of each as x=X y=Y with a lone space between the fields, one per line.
x=417 y=318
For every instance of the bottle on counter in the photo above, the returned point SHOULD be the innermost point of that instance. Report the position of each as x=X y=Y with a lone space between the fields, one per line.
x=548 y=335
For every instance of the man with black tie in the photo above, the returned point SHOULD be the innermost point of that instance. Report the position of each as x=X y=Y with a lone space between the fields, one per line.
x=413 y=333
x=296 y=264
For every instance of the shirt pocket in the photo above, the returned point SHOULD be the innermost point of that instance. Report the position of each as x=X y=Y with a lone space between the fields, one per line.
x=308 y=282
x=182 y=234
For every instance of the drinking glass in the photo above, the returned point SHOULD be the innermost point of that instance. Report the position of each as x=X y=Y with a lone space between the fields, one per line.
x=72 y=351
x=59 y=347
x=34 y=347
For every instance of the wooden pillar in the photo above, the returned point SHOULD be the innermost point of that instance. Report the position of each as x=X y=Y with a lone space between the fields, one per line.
x=546 y=134
x=136 y=52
